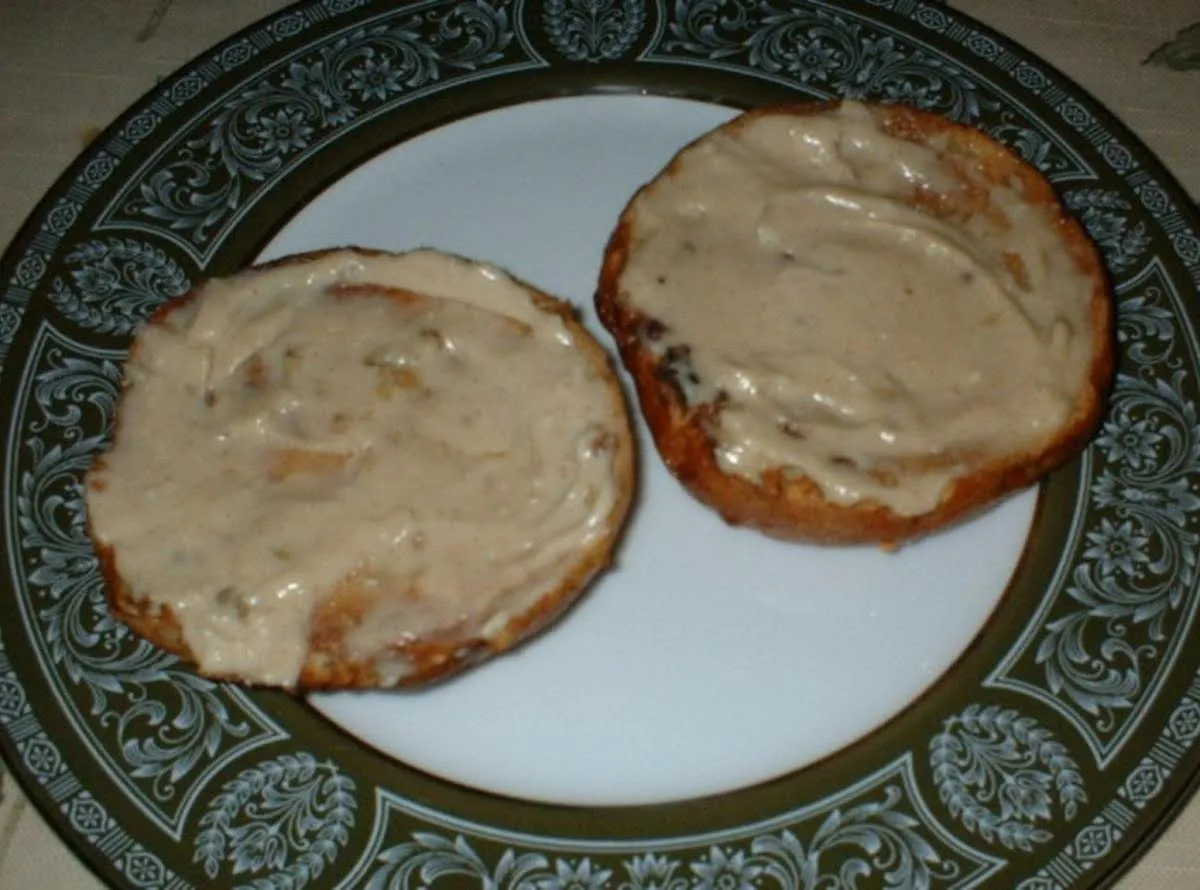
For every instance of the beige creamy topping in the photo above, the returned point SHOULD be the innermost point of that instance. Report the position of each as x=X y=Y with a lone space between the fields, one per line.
x=292 y=432
x=848 y=334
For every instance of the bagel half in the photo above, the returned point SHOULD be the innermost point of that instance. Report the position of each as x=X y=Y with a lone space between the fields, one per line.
x=786 y=290
x=353 y=469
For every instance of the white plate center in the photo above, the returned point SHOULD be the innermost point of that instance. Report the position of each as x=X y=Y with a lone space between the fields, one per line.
x=710 y=658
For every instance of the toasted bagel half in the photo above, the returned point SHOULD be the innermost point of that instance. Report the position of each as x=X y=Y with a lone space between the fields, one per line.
x=853 y=323
x=354 y=469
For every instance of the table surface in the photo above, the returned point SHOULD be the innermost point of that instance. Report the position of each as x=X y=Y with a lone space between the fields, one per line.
x=68 y=68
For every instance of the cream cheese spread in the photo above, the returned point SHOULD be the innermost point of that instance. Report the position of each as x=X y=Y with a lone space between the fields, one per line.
x=848 y=332
x=297 y=430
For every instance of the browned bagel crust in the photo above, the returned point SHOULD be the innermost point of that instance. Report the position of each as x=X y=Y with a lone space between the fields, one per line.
x=794 y=508
x=327 y=665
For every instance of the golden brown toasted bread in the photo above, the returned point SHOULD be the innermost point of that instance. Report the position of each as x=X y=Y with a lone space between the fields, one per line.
x=768 y=250
x=349 y=469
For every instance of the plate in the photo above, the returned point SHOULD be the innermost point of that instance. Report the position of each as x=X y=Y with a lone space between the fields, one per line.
x=1014 y=704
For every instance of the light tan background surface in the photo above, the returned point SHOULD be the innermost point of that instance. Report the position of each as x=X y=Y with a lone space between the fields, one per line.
x=68 y=67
